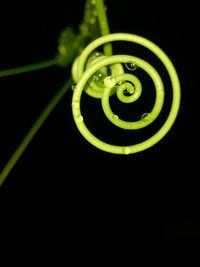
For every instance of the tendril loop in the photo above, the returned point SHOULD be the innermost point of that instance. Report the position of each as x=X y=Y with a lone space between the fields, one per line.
x=101 y=76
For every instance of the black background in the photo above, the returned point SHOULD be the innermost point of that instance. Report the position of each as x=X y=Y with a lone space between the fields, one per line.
x=63 y=182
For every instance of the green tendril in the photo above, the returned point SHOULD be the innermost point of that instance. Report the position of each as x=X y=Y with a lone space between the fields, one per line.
x=134 y=87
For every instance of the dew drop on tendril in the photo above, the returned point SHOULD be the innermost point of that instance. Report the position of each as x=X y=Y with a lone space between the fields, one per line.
x=115 y=117
x=79 y=119
x=126 y=150
x=119 y=83
x=99 y=77
x=131 y=66
x=98 y=54
x=144 y=116
x=128 y=92
x=109 y=82
x=74 y=86
x=94 y=56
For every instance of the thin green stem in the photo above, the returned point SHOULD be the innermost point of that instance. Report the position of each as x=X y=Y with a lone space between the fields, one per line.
x=28 y=68
x=104 y=26
x=27 y=139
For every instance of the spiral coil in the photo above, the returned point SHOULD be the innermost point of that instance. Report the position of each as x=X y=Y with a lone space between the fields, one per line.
x=101 y=76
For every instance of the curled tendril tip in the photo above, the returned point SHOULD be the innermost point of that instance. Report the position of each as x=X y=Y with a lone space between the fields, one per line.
x=101 y=76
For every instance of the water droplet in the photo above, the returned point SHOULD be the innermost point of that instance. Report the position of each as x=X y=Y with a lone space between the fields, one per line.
x=79 y=119
x=115 y=117
x=92 y=57
x=120 y=83
x=109 y=82
x=128 y=92
x=131 y=66
x=144 y=116
x=98 y=77
x=74 y=86
x=97 y=54
x=127 y=150
x=76 y=104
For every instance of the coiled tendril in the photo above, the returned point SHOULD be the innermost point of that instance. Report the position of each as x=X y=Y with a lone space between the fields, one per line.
x=101 y=76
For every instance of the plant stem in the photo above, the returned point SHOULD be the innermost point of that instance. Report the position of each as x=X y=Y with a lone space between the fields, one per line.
x=27 y=139
x=104 y=26
x=28 y=68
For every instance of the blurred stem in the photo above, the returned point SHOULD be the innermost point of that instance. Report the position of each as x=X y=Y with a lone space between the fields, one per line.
x=104 y=26
x=104 y=29
x=28 y=68
x=34 y=129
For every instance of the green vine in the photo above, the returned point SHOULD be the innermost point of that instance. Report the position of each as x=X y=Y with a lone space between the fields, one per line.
x=102 y=75
x=119 y=82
